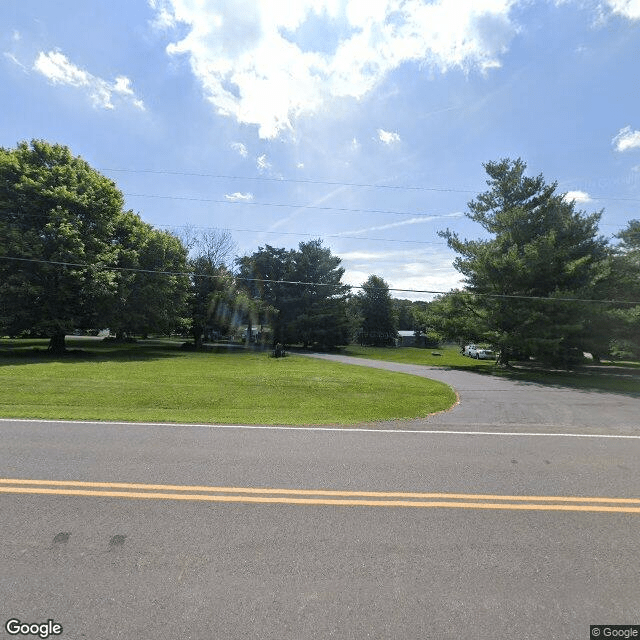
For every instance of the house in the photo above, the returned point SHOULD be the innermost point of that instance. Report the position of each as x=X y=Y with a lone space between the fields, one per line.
x=408 y=339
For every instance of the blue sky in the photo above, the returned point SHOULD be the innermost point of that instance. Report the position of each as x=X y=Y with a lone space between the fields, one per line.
x=363 y=122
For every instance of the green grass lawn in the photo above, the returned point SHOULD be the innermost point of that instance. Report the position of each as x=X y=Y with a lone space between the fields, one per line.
x=449 y=356
x=621 y=377
x=158 y=382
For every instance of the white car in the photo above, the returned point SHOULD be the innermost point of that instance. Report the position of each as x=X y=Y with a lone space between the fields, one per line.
x=470 y=350
x=484 y=354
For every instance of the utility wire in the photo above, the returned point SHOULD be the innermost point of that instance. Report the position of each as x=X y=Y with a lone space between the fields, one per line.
x=283 y=233
x=292 y=180
x=311 y=284
x=332 y=183
x=308 y=235
x=293 y=206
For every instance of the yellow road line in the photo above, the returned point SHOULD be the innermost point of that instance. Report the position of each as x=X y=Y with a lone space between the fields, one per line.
x=319 y=501
x=341 y=498
x=315 y=492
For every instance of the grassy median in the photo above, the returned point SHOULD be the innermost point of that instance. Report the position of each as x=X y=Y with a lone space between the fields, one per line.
x=158 y=382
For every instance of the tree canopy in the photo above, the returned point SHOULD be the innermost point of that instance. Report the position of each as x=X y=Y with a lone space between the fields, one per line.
x=72 y=258
x=305 y=288
x=57 y=218
x=540 y=247
x=379 y=326
x=625 y=285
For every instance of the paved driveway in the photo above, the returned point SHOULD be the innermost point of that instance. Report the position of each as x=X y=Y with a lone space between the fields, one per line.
x=493 y=403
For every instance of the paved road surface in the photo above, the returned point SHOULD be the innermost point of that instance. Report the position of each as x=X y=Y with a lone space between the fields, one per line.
x=279 y=565
x=498 y=404
x=120 y=531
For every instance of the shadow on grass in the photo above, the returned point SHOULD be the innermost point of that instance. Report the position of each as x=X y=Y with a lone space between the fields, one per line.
x=619 y=380
x=35 y=351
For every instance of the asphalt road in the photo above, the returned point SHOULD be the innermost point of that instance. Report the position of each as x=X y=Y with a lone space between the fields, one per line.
x=182 y=531
x=494 y=403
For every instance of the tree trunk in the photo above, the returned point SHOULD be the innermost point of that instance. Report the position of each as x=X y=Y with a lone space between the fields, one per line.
x=249 y=332
x=503 y=358
x=57 y=344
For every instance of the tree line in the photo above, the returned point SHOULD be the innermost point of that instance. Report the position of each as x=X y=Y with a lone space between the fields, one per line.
x=71 y=257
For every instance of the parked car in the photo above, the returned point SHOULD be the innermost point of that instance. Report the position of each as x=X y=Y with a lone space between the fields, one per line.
x=470 y=350
x=484 y=354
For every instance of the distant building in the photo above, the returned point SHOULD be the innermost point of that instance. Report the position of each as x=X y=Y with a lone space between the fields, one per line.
x=408 y=339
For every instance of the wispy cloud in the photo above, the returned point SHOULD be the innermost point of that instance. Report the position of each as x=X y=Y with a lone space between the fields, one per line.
x=401 y=223
x=239 y=197
x=327 y=197
x=262 y=163
x=626 y=139
x=240 y=148
x=388 y=137
x=58 y=69
x=257 y=66
x=10 y=56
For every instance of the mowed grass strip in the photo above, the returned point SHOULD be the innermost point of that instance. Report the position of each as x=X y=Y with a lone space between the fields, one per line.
x=448 y=356
x=234 y=387
x=610 y=377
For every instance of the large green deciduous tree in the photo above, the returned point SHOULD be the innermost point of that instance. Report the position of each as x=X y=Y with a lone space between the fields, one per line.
x=152 y=285
x=540 y=247
x=57 y=214
x=71 y=258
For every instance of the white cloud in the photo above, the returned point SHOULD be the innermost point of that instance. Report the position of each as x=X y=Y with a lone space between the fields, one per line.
x=10 y=56
x=401 y=223
x=262 y=163
x=378 y=256
x=58 y=69
x=240 y=148
x=626 y=8
x=580 y=197
x=432 y=270
x=256 y=61
x=626 y=139
x=239 y=197
x=388 y=137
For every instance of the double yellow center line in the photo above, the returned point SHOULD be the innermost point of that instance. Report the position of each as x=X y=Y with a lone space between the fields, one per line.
x=317 y=496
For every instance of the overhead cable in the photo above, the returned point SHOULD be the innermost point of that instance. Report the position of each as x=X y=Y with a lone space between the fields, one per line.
x=310 y=284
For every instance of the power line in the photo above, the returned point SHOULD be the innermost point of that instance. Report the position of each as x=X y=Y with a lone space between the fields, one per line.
x=308 y=235
x=333 y=183
x=284 y=233
x=313 y=235
x=292 y=206
x=311 y=284
x=292 y=180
